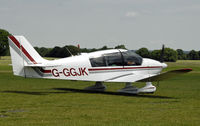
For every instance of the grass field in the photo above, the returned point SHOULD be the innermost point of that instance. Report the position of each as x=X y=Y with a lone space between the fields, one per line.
x=42 y=102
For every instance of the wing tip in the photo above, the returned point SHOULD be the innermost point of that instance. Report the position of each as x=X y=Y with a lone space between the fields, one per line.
x=185 y=70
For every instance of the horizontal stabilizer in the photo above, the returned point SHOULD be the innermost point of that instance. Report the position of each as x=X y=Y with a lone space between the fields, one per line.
x=166 y=75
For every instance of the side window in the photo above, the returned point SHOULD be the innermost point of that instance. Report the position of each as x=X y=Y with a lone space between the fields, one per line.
x=131 y=58
x=98 y=61
x=113 y=59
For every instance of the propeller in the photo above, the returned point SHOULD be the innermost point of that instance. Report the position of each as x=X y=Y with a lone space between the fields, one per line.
x=162 y=54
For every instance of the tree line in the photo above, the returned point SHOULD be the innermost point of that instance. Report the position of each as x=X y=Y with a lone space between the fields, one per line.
x=170 y=55
x=69 y=50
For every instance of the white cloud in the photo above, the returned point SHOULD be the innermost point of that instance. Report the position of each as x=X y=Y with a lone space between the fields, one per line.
x=131 y=14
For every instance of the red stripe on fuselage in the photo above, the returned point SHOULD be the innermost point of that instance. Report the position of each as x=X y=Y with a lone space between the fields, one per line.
x=16 y=42
x=45 y=71
x=101 y=69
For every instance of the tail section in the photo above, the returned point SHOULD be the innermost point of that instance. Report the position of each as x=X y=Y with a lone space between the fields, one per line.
x=22 y=54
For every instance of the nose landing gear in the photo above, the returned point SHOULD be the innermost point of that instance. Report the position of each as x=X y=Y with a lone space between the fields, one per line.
x=148 y=88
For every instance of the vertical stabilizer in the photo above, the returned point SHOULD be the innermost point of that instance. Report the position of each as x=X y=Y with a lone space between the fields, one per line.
x=22 y=53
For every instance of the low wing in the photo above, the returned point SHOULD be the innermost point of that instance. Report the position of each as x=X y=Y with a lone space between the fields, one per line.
x=166 y=75
x=134 y=77
x=128 y=77
x=117 y=77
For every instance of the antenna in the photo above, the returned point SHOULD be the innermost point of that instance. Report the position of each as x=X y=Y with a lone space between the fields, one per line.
x=69 y=51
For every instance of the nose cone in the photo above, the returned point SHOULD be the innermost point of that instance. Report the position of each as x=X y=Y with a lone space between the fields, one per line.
x=164 y=65
x=151 y=62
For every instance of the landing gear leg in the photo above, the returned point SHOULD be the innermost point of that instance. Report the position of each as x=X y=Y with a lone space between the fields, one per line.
x=149 y=88
x=99 y=86
x=129 y=89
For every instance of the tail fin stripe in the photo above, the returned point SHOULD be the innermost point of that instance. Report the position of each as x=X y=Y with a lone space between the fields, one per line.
x=28 y=55
x=16 y=42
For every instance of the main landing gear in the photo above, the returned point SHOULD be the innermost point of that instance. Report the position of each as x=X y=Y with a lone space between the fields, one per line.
x=99 y=86
x=129 y=89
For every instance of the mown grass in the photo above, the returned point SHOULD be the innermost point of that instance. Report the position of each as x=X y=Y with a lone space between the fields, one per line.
x=39 y=102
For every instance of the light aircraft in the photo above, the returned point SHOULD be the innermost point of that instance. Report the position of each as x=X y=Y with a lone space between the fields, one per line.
x=115 y=65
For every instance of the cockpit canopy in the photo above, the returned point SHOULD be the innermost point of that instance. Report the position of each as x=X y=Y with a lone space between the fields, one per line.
x=120 y=58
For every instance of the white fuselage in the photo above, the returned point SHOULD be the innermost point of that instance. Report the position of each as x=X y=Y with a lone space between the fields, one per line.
x=80 y=68
x=115 y=65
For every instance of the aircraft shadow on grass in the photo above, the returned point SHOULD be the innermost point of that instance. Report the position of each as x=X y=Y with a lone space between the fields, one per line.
x=68 y=90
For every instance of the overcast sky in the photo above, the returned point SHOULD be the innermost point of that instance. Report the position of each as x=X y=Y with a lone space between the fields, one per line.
x=95 y=23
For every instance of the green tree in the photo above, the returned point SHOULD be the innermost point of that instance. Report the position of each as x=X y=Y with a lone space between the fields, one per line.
x=73 y=49
x=144 y=52
x=199 y=54
x=120 y=47
x=63 y=52
x=104 y=48
x=170 y=55
x=54 y=52
x=181 y=54
x=4 y=42
x=42 y=51
x=193 y=55
x=155 y=54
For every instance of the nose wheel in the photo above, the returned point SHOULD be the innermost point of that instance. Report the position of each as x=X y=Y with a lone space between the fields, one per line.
x=148 y=88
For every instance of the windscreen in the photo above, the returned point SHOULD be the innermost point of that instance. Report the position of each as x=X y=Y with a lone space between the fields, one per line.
x=131 y=58
x=127 y=58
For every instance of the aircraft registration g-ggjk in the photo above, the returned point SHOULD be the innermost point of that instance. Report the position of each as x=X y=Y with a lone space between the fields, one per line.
x=115 y=65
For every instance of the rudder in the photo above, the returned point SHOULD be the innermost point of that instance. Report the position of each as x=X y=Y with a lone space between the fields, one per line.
x=22 y=54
